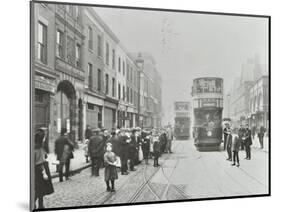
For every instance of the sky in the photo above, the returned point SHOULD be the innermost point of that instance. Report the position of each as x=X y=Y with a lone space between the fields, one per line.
x=188 y=45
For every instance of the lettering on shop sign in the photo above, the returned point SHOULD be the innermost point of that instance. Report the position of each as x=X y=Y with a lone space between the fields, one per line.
x=209 y=102
x=44 y=86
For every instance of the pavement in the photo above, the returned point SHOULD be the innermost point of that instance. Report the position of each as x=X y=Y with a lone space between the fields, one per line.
x=256 y=143
x=185 y=174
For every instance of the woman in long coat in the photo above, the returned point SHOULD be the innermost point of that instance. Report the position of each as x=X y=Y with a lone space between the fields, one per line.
x=42 y=178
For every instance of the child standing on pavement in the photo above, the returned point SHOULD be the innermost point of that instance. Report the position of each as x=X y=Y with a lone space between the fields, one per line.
x=110 y=172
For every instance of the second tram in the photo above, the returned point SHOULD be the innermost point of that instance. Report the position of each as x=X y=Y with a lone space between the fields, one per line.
x=182 y=120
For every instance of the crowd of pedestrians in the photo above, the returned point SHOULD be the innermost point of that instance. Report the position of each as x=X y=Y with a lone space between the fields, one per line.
x=240 y=139
x=123 y=149
x=120 y=150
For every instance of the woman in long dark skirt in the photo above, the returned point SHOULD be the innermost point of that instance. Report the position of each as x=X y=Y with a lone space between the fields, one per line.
x=110 y=172
x=42 y=178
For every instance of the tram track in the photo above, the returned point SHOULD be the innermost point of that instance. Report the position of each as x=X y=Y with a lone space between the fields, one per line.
x=148 y=185
x=170 y=184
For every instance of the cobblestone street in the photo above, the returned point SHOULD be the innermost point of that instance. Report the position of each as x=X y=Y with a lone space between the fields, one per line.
x=174 y=179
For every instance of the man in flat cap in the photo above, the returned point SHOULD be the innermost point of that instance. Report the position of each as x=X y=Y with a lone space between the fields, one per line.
x=96 y=151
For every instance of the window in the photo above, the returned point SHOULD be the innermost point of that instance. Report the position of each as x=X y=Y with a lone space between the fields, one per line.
x=119 y=64
x=70 y=50
x=124 y=68
x=99 y=80
x=113 y=59
x=42 y=43
x=131 y=95
x=113 y=86
x=135 y=98
x=91 y=106
x=69 y=10
x=78 y=55
x=128 y=74
x=131 y=74
x=128 y=94
x=90 y=41
x=39 y=96
x=119 y=91
x=90 y=76
x=124 y=93
x=59 y=47
x=106 y=84
x=107 y=54
x=77 y=12
x=99 y=46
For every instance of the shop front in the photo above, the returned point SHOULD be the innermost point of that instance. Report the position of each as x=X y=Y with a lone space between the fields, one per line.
x=121 y=116
x=110 y=113
x=93 y=111
x=44 y=89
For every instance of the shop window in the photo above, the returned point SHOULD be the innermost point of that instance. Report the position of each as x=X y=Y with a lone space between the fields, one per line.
x=91 y=106
x=39 y=97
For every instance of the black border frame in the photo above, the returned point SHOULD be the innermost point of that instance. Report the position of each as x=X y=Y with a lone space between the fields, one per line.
x=31 y=86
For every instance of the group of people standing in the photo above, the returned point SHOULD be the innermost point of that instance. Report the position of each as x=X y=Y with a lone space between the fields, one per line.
x=123 y=149
x=239 y=139
x=118 y=150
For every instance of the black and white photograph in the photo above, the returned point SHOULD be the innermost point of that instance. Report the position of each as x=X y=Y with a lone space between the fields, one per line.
x=139 y=105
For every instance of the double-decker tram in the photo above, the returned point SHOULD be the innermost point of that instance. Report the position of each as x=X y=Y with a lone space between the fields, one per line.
x=207 y=95
x=182 y=120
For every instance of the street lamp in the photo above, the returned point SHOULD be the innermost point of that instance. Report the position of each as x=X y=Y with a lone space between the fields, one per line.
x=140 y=64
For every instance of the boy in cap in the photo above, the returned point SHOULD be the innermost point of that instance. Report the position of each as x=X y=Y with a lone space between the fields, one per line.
x=235 y=150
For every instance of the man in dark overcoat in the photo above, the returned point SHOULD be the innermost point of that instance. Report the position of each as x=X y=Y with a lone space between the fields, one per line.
x=163 y=141
x=96 y=151
x=225 y=135
x=248 y=142
x=261 y=136
x=64 y=151
x=124 y=150
x=133 y=150
x=145 y=146
x=229 y=144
